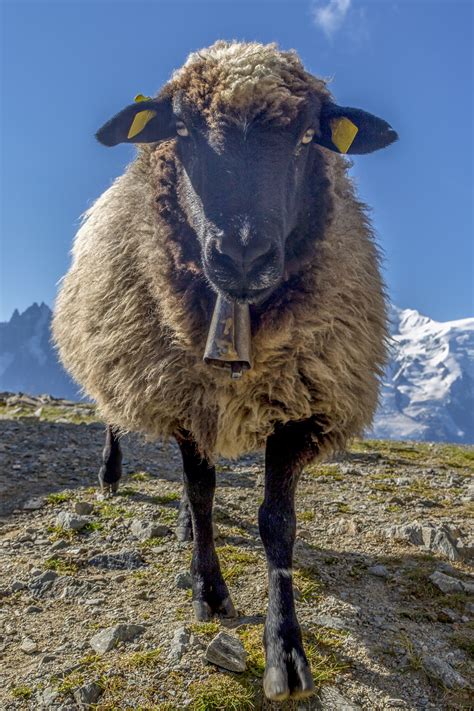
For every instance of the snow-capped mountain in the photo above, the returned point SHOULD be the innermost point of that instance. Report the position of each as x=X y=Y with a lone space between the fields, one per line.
x=428 y=390
x=28 y=362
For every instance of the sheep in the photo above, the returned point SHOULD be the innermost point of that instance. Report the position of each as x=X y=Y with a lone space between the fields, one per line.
x=239 y=192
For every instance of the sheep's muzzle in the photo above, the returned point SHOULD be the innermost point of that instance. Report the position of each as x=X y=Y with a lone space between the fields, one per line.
x=228 y=341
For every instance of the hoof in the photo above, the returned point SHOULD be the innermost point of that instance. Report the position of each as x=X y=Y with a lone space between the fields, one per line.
x=288 y=675
x=203 y=612
x=226 y=608
x=275 y=684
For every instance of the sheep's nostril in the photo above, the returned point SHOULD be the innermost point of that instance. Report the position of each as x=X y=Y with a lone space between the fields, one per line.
x=244 y=258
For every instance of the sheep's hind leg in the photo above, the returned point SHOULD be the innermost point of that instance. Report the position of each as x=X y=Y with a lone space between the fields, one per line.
x=111 y=469
x=287 y=672
x=210 y=593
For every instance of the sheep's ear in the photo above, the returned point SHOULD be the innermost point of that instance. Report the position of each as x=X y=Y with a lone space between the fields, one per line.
x=347 y=130
x=145 y=121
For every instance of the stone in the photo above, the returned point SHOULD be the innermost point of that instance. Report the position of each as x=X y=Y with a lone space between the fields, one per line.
x=48 y=696
x=83 y=508
x=28 y=645
x=227 y=652
x=440 y=541
x=184 y=580
x=33 y=609
x=107 y=639
x=70 y=521
x=58 y=546
x=146 y=530
x=380 y=571
x=34 y=504
x=331 y=699
x=179 y=643
x=124 y=560
x=443 y=672
x=17 y=585
x=446 y=583
x=88 y=694
x=468 y=586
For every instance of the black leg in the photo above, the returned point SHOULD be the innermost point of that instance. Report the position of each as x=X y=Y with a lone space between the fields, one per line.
x=111 y=469
x=210 y=593
x=184 y=526
x=287 y=671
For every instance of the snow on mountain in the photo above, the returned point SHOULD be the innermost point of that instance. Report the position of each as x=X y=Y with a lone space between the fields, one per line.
x=428 y=391
x=28 y=361
x=427 y=394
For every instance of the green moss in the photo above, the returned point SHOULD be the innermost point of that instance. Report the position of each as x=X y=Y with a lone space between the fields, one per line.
x=222 y=692
x=166 y=498
x=235 y=561
x=146 y=659
x=306 y=515
x=252 y=639
x=329 y=470
x=140 y=476
x=58 y=533
x=309 y=587
x=59 y=498
x=61 y=566
x=22 y=692
x=207 y=629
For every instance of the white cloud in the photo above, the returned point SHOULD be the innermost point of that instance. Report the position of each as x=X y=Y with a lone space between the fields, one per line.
x=331 y=16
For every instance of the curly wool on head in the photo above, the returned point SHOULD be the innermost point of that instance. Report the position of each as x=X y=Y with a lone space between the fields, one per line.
x=238 y=81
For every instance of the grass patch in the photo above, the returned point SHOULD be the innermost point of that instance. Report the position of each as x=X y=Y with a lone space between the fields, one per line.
x=59 y=498
x=207 y=629
x=147 y=659
x=111 y=511
x=58 y=533
x=93 y=526
x=318 y=470
x=22 y=692
x=222 y=692
x=166 y=498
x=60 y=566
x=308 y=587
x=168 y=516
x=235 y=561
x=140 y=476
x=306 y=515
x=252 y=639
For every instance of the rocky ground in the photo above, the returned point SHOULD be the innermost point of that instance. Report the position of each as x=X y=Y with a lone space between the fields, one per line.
x=95 y=608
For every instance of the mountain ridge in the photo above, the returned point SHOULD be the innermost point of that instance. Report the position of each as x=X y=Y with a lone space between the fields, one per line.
x=427 y=392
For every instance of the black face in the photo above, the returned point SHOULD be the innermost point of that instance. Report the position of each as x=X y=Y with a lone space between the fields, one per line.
x=243 y=188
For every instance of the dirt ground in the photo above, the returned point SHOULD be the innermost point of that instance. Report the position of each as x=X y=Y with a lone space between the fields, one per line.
x=382 y=573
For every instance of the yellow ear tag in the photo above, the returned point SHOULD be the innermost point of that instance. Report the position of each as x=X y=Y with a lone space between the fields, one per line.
x=139 y=122
x=343 y=132
x=141 y=97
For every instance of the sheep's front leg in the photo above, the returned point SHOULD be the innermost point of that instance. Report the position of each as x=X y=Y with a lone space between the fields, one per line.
x=111 y=469
x=287 y=672
x=210 y=593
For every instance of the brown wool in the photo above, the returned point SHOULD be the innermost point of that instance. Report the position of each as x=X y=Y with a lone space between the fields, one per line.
x=133 y=312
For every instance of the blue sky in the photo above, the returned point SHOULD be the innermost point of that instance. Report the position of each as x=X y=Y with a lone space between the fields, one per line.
x=68 y=66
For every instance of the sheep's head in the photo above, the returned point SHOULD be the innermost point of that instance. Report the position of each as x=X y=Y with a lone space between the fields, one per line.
x=248 y=121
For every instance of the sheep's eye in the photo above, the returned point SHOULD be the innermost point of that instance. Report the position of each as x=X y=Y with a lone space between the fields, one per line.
x=308 y=136
x=181 y=129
